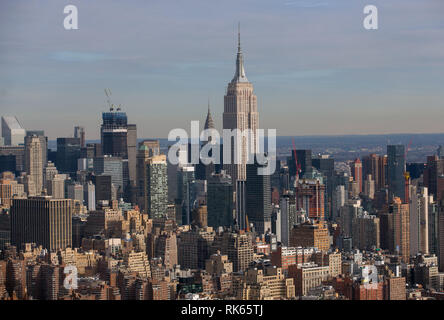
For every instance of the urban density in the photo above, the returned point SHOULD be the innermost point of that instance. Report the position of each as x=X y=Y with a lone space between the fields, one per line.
x=115 y=219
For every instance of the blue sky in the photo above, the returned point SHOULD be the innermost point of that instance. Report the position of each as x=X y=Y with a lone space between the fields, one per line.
x=314 y=67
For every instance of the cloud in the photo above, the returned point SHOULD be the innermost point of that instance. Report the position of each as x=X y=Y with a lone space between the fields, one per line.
x=304 y=74
x=72 y=56
x=307 y=4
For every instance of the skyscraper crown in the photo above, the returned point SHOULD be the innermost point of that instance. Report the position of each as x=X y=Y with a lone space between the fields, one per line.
x=209 y=123
x=239 y=76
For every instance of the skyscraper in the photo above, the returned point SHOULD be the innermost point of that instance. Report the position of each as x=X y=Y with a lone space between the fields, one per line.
x=12 y=131
x=34 y=163
x=42 y=220
x=258 y=198
x=79 y=132
x=156 y=187
x=310 y=195
x=114 y=132
x=220 y=200
x=241 y=205
x=419 y=224
x=433 y=176
x=356 y=171
x=18 y=152
x=440 y=152
x=7 y=163
x=240 y=112
x=287 y=219
x=186 y=192
x=441 y=235
x=132 y=153
x=376 y=166
x=68 y=152
x=112 y=166
x=43 y=142
x=396 y=170
x=103 y=187
x=89 y=190
x=56 y=186
x=203 y=171
x=401 y=228
x=147 y=149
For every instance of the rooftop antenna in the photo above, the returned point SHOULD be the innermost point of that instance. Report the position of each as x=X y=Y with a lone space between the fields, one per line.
x=238 y=37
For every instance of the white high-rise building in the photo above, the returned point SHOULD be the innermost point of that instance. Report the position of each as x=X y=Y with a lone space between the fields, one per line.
x=339 y=198
x=240 y=112
x=12 y=131
x=89 y=190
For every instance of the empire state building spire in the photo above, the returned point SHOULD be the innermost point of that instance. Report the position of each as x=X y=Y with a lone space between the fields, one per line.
x=239 y=76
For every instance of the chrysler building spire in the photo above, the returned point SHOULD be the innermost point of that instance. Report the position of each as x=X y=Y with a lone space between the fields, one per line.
x=209 y=123
x=239 y=76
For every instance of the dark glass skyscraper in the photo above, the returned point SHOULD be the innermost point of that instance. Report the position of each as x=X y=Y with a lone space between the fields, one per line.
x=186 y=193
x=396 y=170
x=220 y=203
x=258 y=198
x=114 y=133
x=68 y=152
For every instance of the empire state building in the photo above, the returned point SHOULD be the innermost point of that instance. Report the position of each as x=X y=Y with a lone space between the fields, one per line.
x=240 y=112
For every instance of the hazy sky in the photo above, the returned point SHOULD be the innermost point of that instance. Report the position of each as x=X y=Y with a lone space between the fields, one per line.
x=315 y=69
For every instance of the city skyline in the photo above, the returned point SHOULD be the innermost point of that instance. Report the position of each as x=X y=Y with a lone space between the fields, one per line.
x=343 y=72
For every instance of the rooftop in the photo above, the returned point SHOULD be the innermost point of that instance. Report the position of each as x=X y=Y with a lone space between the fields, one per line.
x=12 y=122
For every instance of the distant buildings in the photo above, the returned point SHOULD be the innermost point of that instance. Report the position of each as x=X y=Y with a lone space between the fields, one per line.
x=12 y=131
x=376 y=166
x=304 y=162
x=79 y=132
x=137 y=227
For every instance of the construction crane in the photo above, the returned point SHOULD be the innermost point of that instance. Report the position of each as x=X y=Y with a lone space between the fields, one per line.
x=247 y=229
x=108 y=99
